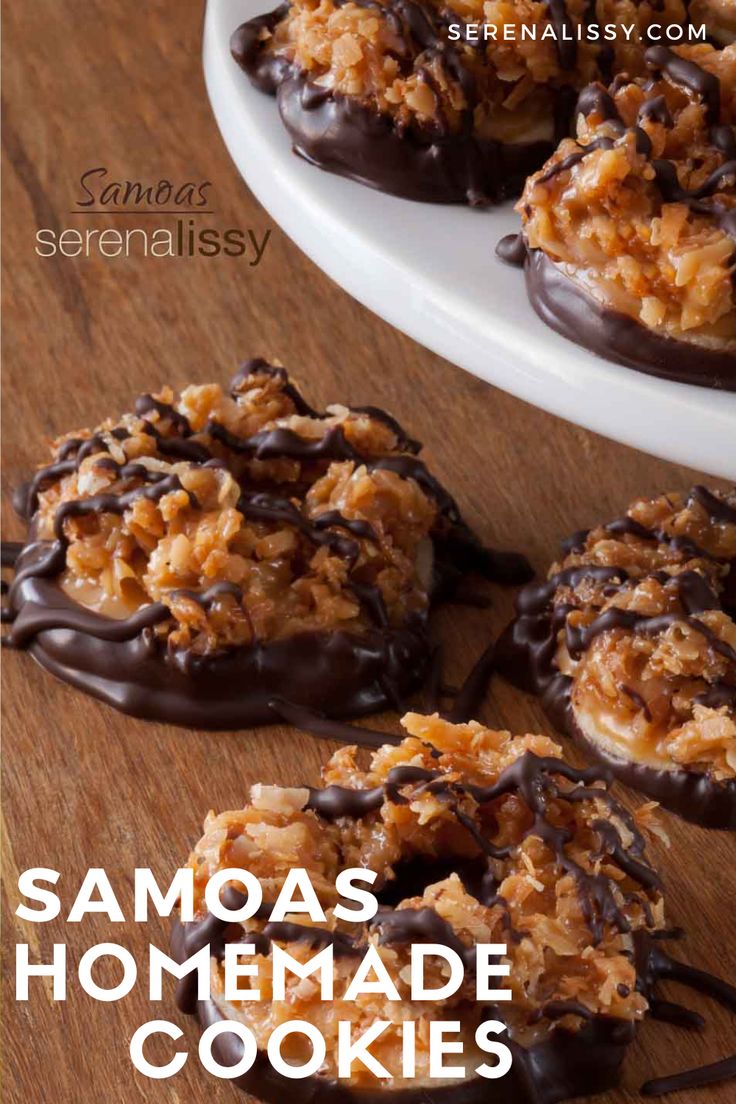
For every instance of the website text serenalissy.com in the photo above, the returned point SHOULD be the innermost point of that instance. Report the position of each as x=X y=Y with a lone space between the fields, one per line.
x=584 y=32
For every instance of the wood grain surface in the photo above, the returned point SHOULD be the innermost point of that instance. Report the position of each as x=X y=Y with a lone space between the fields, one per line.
x=118 y=84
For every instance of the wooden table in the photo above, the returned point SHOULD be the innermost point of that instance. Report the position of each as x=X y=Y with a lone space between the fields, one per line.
x=119 y=85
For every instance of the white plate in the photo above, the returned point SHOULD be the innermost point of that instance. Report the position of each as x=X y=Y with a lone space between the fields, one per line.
x=430 y=270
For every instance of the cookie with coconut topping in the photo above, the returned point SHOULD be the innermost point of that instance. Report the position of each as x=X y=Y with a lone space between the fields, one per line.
x=629 y=231
x=452 y=104
x=477 y=836
x=631 y=643
x=214 y=548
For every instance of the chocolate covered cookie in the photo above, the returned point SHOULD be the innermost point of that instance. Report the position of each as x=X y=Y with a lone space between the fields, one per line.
x=477 y=837
x=629 y=232
x=631 y=644
x=443 y=103
x=212 y=549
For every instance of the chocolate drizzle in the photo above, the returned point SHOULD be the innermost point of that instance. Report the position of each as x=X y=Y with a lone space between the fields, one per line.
x=565 y=42
x=689 y=75
x=718 y=695
x=317 y=724
x=536 y=780
x=725 y=1070
x=128 y=662
x=656 y=965
x=470 y=696
x=717 y=509
x=512 y=249
x=526 y=655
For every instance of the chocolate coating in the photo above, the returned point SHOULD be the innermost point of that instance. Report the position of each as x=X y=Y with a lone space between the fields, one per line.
x=121 y=663
x=344 y=137
x=695 y=797
x=569 y=310
x=356 y=674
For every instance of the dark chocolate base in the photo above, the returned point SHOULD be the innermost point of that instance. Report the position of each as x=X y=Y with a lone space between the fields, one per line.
x=568 y=1064
x=695 y=797
x=341 y=135
x=570 y=311
x=338 y=673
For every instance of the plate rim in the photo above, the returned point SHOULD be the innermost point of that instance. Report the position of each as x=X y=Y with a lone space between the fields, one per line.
x=678 y=422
